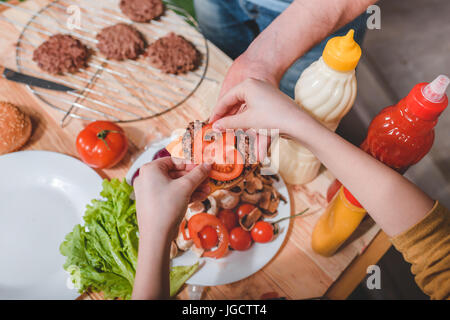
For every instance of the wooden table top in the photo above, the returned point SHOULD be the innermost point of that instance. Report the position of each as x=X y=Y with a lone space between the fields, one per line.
x=296 y=272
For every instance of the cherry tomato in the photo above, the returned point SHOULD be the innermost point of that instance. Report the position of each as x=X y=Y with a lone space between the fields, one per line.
x=102 y=144
x=208 y=237
x=228 y=218
x=262 y=232
x=201 y=220
x=244 y=209
x=240 y=239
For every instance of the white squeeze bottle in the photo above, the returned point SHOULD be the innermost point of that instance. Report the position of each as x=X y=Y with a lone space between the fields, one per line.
x=327 y=91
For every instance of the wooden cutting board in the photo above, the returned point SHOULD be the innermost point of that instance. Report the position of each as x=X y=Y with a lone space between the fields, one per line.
x=295 y=273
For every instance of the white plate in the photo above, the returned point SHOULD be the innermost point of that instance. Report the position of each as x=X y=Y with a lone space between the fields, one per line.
x=42 y=196
x=237 y=265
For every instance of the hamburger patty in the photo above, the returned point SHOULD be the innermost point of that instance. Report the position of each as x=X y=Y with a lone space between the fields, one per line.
x=142 y=10
x=173 y=54
x=120 y=42
x=245 y=148
x=61 y=53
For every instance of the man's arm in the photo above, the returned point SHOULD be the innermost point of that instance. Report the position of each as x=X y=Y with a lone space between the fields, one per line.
x=301 y=26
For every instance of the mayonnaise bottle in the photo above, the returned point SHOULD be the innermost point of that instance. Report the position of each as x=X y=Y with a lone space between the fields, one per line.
x=327 y=91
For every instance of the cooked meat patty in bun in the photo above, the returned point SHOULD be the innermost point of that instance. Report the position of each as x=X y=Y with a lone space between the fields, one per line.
x=232 y=153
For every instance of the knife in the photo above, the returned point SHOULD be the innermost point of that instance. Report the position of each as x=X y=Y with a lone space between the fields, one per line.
x=33 y=81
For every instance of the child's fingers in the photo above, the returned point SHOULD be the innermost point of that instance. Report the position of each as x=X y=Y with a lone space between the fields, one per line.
x=195 y=177
x=236 y=121
x=168 y=164
x=178 y=174
x=201 y=193
x=235 y=96
x=180 y=164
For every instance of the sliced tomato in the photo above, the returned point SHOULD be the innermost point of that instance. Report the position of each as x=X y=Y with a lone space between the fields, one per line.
x=220 y=149
x=226 y=166
x=201 y=220
x=183 y=230
x=175 y=148
x=208 y=137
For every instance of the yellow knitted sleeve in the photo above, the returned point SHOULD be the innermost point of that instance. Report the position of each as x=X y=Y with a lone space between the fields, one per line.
x=426 y=246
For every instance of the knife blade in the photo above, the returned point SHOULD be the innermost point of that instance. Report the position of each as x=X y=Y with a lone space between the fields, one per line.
x=33 y=81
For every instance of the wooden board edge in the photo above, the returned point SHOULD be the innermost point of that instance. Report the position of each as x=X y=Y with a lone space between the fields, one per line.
x=356 y=271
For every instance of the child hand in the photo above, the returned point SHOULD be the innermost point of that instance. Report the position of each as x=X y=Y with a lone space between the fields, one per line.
x=163 y=190
x=255 y=104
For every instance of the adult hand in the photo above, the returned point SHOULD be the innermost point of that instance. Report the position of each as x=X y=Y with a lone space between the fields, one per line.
x=163 y=190
x=244 y=68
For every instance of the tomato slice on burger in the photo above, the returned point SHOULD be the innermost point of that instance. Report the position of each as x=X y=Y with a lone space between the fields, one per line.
x=206 y=137
x=226 y=166
x=219 y=149
x=201 y=220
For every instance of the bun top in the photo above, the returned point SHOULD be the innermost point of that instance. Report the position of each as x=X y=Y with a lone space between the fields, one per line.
x=15 y=128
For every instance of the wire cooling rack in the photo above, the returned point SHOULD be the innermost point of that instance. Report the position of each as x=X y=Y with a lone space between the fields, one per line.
x=122 y=91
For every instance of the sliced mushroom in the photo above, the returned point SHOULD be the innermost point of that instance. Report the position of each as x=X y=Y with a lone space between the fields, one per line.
x=253 y=183
x=248 y=221
x=213 y=207
x=270 y=201
x=238 y=189
x=194 y=208
x=173 y=250
x=264 y=202
x=275 y=177
x=183 y=244
x=229 y=201
x=226 y=199
x=251 y=198
x=265 y=179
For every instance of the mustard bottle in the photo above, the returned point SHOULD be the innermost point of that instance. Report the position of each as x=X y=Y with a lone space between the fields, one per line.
x=342 y=216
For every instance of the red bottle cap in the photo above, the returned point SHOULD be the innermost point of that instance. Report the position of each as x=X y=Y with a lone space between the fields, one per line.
x=351 y=198
x=428 y=100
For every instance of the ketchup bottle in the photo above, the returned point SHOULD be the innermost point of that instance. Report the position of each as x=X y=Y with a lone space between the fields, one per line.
x=401 y=135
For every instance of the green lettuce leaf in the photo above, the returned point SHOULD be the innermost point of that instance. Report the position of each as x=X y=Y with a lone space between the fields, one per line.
x=179 y=275
x=102 y=254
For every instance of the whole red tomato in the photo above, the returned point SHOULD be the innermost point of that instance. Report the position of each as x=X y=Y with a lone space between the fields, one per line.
x=102 y=144
x=262 y=232
x=244 y=209
x=228 y=218
x=240 y=239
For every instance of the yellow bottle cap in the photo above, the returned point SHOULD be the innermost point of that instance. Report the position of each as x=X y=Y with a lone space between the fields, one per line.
x=342 y=53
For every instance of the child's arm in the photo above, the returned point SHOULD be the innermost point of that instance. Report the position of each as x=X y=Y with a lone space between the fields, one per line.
x=394 y=202
x=163 y=190
x=421 y=231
